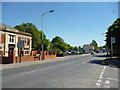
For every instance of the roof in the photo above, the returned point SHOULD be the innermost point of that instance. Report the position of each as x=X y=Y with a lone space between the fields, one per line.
x=24 y=33
x=8 y=28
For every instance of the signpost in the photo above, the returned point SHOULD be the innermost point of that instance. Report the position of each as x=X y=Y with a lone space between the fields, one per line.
x=20 y=45
x=112 y=41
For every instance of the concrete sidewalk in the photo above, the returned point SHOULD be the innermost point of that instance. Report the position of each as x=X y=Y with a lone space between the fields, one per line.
x=23 y=64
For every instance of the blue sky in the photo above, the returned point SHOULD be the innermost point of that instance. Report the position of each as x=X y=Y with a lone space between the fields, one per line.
x=78 y=23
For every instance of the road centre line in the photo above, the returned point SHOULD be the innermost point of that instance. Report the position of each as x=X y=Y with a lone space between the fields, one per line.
x=29 y=72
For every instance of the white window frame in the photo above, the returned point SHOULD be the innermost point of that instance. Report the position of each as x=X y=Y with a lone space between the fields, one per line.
x=26 y=50
x=11 y=38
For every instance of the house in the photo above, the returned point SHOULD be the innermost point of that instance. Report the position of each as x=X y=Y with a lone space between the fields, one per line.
x=88 y=48
x=9 y=51
x=9 y=37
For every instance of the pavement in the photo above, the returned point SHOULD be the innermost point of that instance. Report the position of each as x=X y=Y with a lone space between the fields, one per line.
x=68 y=72
x=23 y=64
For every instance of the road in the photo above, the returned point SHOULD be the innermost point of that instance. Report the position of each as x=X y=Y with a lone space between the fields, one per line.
x=74 y=72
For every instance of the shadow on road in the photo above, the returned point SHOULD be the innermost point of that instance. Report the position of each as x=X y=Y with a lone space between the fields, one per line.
x=108 y=62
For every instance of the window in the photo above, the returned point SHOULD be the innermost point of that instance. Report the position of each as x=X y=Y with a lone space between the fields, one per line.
x=26 y=51
x=12 y=38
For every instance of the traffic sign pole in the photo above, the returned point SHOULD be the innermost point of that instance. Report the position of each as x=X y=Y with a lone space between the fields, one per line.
x=112 y=41
x=111 y=49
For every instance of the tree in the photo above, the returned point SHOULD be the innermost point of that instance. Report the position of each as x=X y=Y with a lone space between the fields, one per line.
x=94 y=44
x=75 y=48
x=114 y=31
x=36 y=35
x=59 y=44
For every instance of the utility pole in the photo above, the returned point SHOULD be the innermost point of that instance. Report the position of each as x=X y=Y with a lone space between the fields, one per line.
x=42 y=44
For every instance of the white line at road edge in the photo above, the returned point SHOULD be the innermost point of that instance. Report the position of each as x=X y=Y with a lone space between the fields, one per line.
x=100 y=78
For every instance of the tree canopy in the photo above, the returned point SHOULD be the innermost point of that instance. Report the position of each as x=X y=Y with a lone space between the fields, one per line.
x=113 y=31
x=57 y=44
x=36 y=35
x=94 y=44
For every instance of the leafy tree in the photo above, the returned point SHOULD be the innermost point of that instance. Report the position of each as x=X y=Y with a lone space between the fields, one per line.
x=36 y=35
x=95 y=45
x=59 y=44
x=75 y=48
x=114 y=31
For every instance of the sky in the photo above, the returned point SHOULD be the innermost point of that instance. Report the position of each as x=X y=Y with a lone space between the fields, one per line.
x=78 y=23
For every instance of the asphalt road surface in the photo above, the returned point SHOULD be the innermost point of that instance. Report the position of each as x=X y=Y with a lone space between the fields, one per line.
x=74 y=72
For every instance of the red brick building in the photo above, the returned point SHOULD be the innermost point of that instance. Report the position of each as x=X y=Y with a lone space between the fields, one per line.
x=9 y=51
x=9 y=38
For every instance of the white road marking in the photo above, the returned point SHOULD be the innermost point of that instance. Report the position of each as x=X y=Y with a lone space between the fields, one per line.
x=107 y=82
x=110 y=78
x=113 y=79
x=98 y=84
x=102 y=73
x=116 y=80
x=100 y=77
x=106 y=86
x=99 y=81
x=29 y=72
x=104 y=68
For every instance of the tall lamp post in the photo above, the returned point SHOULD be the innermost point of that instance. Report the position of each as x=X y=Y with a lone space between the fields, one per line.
x=42 y=44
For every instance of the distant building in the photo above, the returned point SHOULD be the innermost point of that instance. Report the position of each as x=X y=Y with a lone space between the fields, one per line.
x=88 y=48
x=9 y=38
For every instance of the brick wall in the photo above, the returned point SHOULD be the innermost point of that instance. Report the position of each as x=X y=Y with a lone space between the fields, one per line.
x=33 y=57
x=19 y=38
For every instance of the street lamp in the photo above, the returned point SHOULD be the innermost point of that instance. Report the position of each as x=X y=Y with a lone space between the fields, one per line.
x=42 y=44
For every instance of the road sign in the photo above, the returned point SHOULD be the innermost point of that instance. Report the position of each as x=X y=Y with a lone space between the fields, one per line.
x=113 y=39
x=20 y=44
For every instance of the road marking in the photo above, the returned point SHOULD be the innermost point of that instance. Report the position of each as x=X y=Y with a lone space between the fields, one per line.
x=116 y=80
x=113 y=79
x=110 y=78
x=98 y=84
x=106 y=86
x=29 y=72
x=104 y=68
x=107 y=82
x=100 y=77
x=99 y=81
